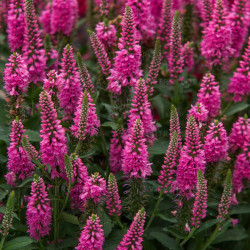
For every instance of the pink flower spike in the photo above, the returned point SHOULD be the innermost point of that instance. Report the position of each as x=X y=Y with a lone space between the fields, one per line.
x=135 y=155
x=175 y=58
x=225 y=198
x=199 y=112
x=209 y=95
x=92 y=236
x=113 y=200
x=127 y=63
x=165 y=27
x=240 y=82
x=154 y=68
x=16 y=76
x=238 y=21
x=39 y=216
x=53 y=144
x=106 y=33
x=143 y=18
x=188 y=56
x=64 y=16
x=100 y=53
x=51 y=84
x=33 y=51
x=206 y=12
x=216 y=45
x=141 y=110
x=45 y=18
x=16 y=24
x=192 y=159
x=200 y=203
x=18 y=165
x=86 y=122
x=239 y=133
x=94 y=188
x=242 y=168
x=216 y=143
x=170 y=161
x=70 y=83
x=134 y=236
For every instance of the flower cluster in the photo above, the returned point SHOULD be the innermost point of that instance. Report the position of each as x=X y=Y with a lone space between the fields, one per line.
x=199 y=112
x=106 y=34
x=38 y=214
x=126 y=70
x=94 y=188
x=92 y=236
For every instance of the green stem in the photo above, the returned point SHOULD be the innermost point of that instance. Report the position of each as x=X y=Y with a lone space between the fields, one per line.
x=78 y=146
x=41 y=243
x=119 y=222
x=176 y=93
x=188 y=237
x=226 y=109
x=105 y=151
x=155 y=210
x=66 y=200
x=56 y=231
x=41 y=167
x=2 y=242
x=212 y=237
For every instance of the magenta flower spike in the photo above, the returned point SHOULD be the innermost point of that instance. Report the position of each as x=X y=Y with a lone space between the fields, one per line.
x=80 y=175
x=238 y=21
x=216 y=143
x=188 y=56
x=165 y=27
x=191 y=160
x=239 y=134
x=64 y=16
x=106 y=33
x=45 y=18
x=143 y=19
x=154 y=68
x=16 y=76
x=175 y=58
x=175 y=126
x=53 y=144
x=209 y=95
x=135 y=155
x=19 y=166
x=126 y=70
x=199 y=112
x=156 y=9
x=85 y=78
x=216 y=45
x=200 y=204
x=241 y=170
x=70 y=83
x=113 y=200
x=100 y=53
x=33 y=51
x=92 y=236
x=240 y=82
x=134 y=236
x=16 y=24
x=51 y=84
x=206 y=12
x=30 y=150
x=94 y=188
x=170 y=162
x=38 y=213
x=141 y=110
x=86 y=122
x=226 y=198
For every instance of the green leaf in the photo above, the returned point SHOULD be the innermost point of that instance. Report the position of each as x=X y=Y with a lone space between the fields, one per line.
x=207 y=225
x=235 y=108
x=109 y=124
x=2 y=211
x=235 y=234
x=18 y=242
x=113 y=240
x=107 y=223
x=165 y=240
x=3 y=194
x=33 y=135
x=30 y=179
x=168 y=217
x=241 y=210
x=159 y=148
x=69 y=218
